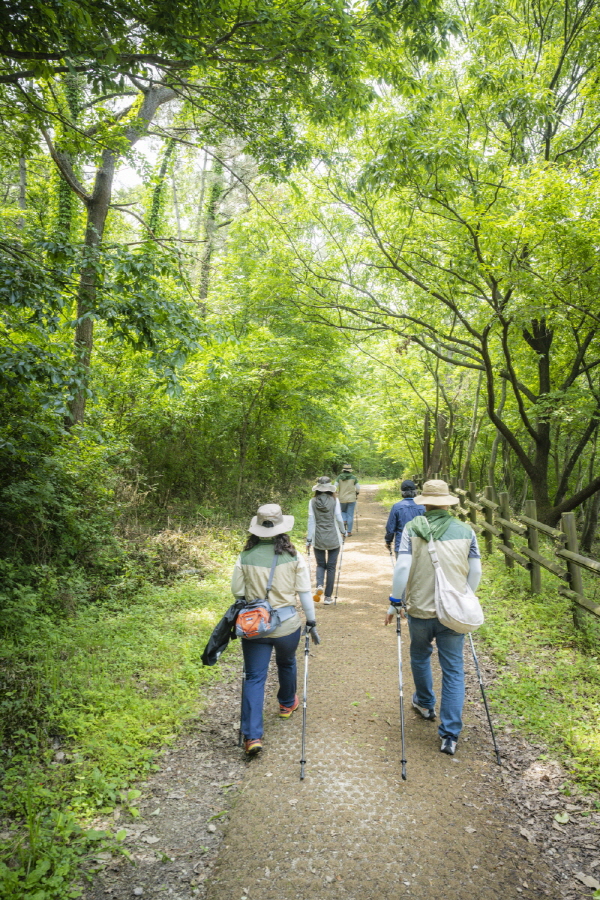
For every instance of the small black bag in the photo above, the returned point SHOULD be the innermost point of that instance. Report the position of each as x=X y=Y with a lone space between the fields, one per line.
x=223 y=632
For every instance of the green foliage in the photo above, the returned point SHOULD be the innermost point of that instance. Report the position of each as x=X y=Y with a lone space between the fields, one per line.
x=110 y=685
x=547 y=682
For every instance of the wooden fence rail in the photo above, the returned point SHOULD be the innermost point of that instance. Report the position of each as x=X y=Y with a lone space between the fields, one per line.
x=501 y=528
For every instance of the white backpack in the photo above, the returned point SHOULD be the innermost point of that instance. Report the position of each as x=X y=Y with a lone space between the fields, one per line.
x=461 y=612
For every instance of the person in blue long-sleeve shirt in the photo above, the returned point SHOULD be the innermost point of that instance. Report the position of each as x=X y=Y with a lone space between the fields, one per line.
x=401 y=513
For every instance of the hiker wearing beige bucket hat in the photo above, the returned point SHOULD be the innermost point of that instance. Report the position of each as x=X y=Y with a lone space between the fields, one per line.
x=326 y=531
x=414 y=581
x=270 y=557
x=348 y=489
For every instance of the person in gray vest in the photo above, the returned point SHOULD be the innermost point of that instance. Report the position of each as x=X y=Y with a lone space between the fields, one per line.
x=348 y=490
x=326 y=531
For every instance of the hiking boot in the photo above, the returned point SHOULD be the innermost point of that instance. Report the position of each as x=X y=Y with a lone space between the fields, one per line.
x=253 y=747
x=318 y=594
x=423 y=711
x=448 y=746
x=328 y=600
x=348 y=534
x=286 y=711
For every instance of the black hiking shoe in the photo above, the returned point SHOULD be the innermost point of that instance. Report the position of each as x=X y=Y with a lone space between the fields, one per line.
x=448 y=746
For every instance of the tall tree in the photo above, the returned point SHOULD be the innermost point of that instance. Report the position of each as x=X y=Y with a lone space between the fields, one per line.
x=464 y=216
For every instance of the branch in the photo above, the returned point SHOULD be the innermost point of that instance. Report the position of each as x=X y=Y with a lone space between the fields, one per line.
x=576 y=500
x=63 y=164
x=585 y=437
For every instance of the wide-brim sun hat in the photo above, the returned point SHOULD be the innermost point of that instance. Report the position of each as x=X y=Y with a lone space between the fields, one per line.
x=324 y=483
x=436 y=493
x=270 y=521
x=346 y=467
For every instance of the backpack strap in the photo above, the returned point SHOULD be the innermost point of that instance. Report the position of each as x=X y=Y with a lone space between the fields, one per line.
x=271 y=575
x=432 y=550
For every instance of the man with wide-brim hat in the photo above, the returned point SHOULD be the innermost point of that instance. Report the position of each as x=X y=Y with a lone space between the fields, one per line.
x=401 y=513
x=269 y=550
x=348 y=489
x=325 y=531
x=414 y=579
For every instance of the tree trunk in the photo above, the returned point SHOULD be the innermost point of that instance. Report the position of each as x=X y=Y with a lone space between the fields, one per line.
x=97 y=210
x=98 y=204
x=159 y=189
x=590 y=524
x=496 y=444
x=22 y=190
x=437 y=454
x=214 y=198
x=426 y=443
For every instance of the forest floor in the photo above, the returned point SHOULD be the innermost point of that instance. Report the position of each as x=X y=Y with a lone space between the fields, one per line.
x=216 y=827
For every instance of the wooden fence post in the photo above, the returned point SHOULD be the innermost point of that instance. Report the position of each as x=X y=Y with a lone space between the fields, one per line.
x=535 y=572
x=473 y=499
x=575 y=581
x=506 y=538
x=489 y=518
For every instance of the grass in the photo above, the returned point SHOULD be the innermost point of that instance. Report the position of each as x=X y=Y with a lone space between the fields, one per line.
x=96 y=696
x=548 y=671
x=547 y=684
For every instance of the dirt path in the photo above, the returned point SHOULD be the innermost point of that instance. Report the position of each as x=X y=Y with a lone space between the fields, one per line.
x=353 y=829
x=215 y=827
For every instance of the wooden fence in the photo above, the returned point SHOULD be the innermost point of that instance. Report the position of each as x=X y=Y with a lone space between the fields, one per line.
x=517 y=537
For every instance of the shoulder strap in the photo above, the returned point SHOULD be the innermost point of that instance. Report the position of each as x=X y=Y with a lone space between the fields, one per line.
x=432 y=550
x=271 y=575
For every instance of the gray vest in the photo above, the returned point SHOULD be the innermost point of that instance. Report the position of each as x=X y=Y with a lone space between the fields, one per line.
x=326 y=534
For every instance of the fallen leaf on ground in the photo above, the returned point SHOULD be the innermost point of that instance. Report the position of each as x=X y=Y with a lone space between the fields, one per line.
x=470 y=830
x=527 y=834
x=562 y=817
x=588 y=880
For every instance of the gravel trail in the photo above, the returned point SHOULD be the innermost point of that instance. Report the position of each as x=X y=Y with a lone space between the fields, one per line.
x=353 y=829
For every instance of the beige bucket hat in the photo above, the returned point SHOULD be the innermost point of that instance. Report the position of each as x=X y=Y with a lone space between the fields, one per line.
x=324 y=484
x=270 y=521
x=346 y=467
x=436 y=493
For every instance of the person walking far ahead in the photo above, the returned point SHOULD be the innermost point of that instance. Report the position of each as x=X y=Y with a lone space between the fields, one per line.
x=401 y=513
x=268 y=540
x=326 y=531
x=348 y=489
x=458 y=554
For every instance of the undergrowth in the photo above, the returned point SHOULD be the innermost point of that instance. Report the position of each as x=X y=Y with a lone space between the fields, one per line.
x=87 y=702
x=548 y=671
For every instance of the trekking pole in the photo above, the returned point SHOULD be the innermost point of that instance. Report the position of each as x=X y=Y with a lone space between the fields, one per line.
x=339 y=573
x=308 y=558
x=392 y=560
x=485 y=703
x=240 y=735
x=303 y=760
x=401 y=686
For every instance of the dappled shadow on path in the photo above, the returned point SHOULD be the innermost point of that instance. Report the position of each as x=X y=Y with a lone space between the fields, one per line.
x=353 y=829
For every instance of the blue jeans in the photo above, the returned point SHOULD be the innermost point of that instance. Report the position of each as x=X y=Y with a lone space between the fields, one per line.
x=348 y=514
x=326 y=563
x=257 y=654
x=450 y=654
